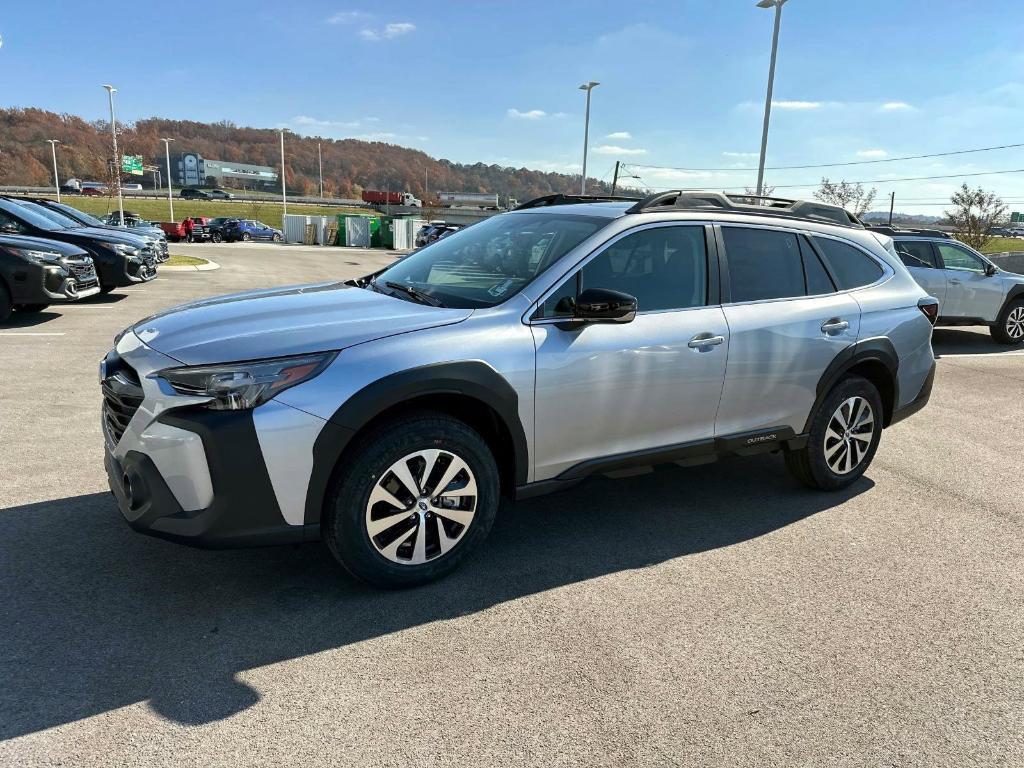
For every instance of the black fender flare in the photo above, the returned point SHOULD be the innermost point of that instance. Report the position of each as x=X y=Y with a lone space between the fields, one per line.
x=1017 y=292
x=475 y=380
x=879 y=350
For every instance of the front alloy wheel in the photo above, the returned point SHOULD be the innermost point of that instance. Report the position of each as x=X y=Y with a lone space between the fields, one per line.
x=421 y=507
x=1015 y=323
x=849 y=435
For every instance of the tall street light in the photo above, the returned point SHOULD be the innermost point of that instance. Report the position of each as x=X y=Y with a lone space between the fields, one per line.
x=170 y=195
x=320 y=161
x=56 y=178
x=588 y=87
x=777 y=5
x=284 y=192
x=111 y=90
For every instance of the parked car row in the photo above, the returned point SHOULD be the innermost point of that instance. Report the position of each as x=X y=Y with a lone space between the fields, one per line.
x=52 y=253
x=435 y=230
x=220 y=229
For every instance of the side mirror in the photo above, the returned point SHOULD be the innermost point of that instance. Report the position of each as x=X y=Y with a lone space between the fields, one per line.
x=602 y=305
x=990 y=270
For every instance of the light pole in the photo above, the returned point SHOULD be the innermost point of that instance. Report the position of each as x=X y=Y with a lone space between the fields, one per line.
x=320 y=162
x=111 y=90
x=588 y=87
x=170 y=195
x=284 y=192
x=56 y=178
x=777 y=5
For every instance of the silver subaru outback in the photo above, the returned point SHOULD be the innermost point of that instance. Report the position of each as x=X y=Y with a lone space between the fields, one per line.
x=572 y=336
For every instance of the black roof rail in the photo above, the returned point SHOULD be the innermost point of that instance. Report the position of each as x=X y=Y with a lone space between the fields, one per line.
x=563 y=199
x=757 y=205
x=885 y=229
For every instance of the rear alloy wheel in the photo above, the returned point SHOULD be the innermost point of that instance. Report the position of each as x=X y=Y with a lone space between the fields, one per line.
x=1009 y=328
x=413 y=499
x=215 y=237
x=844 y=435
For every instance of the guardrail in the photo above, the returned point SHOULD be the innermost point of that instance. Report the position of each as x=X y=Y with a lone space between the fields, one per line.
x=330 y=202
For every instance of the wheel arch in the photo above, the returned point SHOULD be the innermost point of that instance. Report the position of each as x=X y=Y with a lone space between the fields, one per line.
x=875 y=360
x=1015 y=294
x=472 y=392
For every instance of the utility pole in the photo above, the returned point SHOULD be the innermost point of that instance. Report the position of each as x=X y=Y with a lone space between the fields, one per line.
x=284 y=191
x=892 y=204
x=777 y=4
x=167 y=154
x=588 y=87
x=615 y=178
x=56 y=178
x=320 y=160
x=111 y=90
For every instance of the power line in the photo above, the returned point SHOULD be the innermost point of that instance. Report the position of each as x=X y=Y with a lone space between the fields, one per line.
x=838 y=165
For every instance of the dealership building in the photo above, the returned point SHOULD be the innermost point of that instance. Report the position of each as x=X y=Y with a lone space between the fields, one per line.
x=196 y=171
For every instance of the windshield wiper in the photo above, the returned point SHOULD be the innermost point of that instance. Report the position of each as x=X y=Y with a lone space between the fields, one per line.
x=414 y=293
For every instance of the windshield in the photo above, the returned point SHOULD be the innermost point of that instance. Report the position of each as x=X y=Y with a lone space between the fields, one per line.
x=491 y=261
x=78 y=215
x=28 y=215
x=65 y=222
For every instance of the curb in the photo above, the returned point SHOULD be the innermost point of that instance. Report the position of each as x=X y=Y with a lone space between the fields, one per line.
x=209 y=266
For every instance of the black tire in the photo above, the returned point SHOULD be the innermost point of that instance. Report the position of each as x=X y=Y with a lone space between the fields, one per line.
x=29 y=309
x=344 y=526
x=276 y=238
x=5 y=303
x=107 y=288
x=1004 y=330
x=245 y=237
x=809 y=465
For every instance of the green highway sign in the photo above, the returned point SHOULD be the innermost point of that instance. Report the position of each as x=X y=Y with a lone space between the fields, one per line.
x=1016 y=216
x=131 y=164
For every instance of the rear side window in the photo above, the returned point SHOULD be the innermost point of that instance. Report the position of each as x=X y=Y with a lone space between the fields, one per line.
x=916 y=253
x=851 y=267
x=818 y=281
x=763 y=264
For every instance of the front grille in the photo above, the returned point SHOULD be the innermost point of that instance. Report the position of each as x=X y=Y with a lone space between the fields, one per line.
x=122 y=396
x=84 y=275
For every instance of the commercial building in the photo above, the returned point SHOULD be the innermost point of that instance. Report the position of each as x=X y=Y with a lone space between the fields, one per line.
x=193 y=170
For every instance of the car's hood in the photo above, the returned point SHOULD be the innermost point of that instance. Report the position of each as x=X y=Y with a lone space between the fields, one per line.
x=285 y=321
x=41 y=244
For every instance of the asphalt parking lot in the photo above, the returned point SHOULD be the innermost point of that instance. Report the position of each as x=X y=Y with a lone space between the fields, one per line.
x=716 y=615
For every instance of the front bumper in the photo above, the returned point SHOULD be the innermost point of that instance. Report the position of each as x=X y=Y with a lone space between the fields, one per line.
x=39 y=284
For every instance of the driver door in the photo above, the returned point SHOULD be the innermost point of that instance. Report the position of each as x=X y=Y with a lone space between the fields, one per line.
x=621 y=388
x=970 y=292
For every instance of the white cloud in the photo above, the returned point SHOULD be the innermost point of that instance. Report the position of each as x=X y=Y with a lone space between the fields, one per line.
x=872 y=154
x=390 y=31
x=611 y=149
x=620 y=135
x=378 y=136
x=347 y=17
x=895 y=106
x=796 y=105
x=313 y=122
x=740 y=154
x=532 y=114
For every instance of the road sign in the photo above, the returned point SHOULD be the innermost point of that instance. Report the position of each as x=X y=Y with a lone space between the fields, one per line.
x=132 y=164
x=1016 y=217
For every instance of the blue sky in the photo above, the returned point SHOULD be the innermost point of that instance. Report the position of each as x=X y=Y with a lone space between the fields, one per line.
x=682 y=81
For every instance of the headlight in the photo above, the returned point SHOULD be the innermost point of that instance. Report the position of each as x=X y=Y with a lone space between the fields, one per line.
x=48 y=258
x=240 y=386
x=125 y=250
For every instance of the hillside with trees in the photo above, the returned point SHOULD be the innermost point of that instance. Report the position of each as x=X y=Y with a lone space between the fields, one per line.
x=349 y=165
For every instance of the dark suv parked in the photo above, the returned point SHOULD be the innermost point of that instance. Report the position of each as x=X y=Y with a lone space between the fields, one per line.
x=193 y=194
x=119 y=258
x=36 y=273
x=149 y=232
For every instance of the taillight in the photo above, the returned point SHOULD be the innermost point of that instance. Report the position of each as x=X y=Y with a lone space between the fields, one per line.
x=930 y=307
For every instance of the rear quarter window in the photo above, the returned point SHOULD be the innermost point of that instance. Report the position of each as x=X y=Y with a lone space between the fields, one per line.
x=851 y=267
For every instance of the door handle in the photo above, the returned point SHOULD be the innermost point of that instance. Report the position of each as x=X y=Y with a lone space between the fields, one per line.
x=954 y=281
x=704 y=341
x=834 y=326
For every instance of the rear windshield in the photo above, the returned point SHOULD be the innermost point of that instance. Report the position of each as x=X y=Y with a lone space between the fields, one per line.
x=491 y=261
x=27 y=214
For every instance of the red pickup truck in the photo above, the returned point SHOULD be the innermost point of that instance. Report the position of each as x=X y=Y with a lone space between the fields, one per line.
x=192 y=228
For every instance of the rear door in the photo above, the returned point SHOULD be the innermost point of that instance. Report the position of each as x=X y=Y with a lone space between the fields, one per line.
x=924 y=266
x=970 y=293
x=787 y=323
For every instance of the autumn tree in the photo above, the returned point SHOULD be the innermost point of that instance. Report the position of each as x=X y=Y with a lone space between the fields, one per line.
x=975 y=212
x=851 y=196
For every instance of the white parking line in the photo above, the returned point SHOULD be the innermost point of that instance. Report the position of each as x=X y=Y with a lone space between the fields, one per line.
x=28 y=333
x=995 y=355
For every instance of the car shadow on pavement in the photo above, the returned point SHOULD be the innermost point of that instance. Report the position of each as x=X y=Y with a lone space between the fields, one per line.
x=949 y=342
x=106 y=298
x=29 y=319
x=96 y=617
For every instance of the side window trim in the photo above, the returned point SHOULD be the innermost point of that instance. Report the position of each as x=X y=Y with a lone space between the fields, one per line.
x=712 y=270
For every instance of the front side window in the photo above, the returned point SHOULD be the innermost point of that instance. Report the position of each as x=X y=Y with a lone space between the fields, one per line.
x=763 y=264
x=662 y=268
x=852 y=267
x=955 y=257
x=487 y=263
x=916 y=253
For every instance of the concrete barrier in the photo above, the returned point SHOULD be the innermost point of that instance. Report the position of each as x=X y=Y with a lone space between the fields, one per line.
x=1011 y=261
